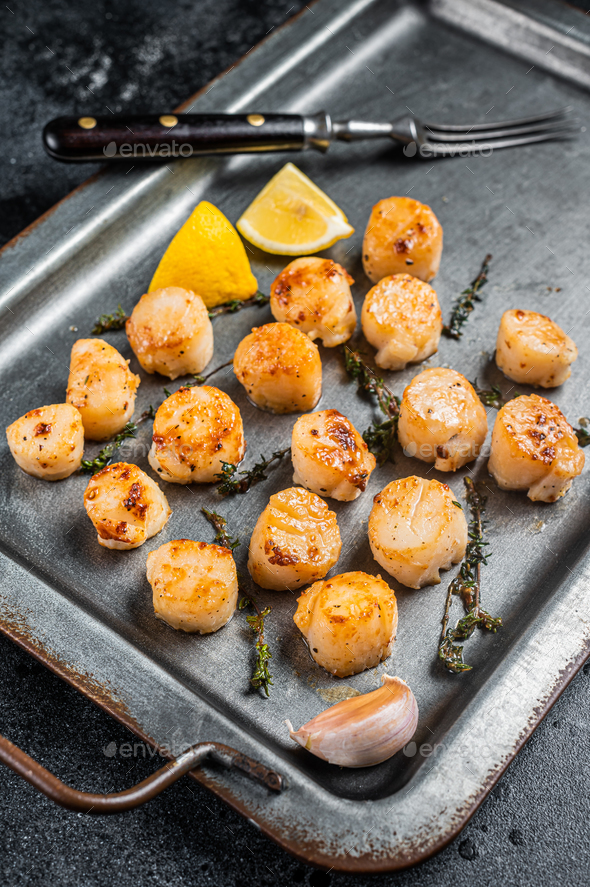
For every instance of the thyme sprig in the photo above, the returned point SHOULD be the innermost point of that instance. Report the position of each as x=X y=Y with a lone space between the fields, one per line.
x=381 y=436
x=200 y=379
x=465 y=304
x=92 y=466
x=258 y=299
x=467 y=585
x=219 y=524
x=493 y=397
x=232 y=481
x=106 y=322
x=583 y=433
x=261 y=676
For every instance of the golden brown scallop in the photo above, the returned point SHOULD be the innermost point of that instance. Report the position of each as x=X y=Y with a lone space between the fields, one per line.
x=170 y=332
x=280 y=368
x=442 y=420
x=125 y=505
x=533 y=350
x=349 y=622
x=102 y=387
x=329 y=456
x=534 y=448
x=296 y=540
x=195 y=430
x=195 y=585
x=402 y=319
x=314 y=296
x=416 y=528
x=403 y=236
x=48 y=442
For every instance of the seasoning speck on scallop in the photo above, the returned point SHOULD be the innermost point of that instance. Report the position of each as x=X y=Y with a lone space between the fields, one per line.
x=280 y=368
x=533 y=350
x=48 y=442
x=314 y=296
x=349 y=622
x=402 y=319
x=442 y=420
x=403 y=236
x=195 y=585
x=125 y=505
x=170 y=332
x=534 y=448
x=329 y=456
x=296 y=540
x=416 y=529
x=102 y=387
x=195 y=430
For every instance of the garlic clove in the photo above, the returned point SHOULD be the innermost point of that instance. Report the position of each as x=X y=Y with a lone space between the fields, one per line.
x=364 y=730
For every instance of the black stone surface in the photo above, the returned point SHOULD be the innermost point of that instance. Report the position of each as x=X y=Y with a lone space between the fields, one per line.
x=60 y=58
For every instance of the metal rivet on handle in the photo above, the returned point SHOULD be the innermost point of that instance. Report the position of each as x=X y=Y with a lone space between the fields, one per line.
x=168 y=120
x=255 y=119
x=87 y=122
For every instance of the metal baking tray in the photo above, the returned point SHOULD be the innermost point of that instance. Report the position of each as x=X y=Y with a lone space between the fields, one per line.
x=86 y=612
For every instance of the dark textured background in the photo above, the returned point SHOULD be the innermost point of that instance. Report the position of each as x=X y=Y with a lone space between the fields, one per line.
x=145 y=55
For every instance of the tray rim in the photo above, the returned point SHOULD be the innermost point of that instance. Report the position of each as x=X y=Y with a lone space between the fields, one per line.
x=362 y=862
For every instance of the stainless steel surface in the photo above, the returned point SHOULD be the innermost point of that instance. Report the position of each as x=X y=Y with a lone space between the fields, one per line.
x=87 y=611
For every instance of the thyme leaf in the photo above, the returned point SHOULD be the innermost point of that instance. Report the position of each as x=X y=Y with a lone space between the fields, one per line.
x=261 y=676
x=219 y=524
x=258 y=299
x=232 y=481
x=583 y=434
x=465 y=304
x=381 y=436
x=493 y=397
x=467 y=585
x=106 y=322
x=105 y=456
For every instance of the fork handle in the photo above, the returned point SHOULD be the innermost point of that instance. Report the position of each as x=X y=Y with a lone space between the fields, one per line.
x=166 y=136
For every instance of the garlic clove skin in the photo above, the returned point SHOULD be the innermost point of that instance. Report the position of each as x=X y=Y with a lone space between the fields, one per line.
x=364 y=730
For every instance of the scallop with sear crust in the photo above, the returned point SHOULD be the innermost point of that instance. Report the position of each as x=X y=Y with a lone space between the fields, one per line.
x=125 y=505
x=533 y=350
x=349 y=622
x=402 y=236
x=534 y=448
x=48 y=442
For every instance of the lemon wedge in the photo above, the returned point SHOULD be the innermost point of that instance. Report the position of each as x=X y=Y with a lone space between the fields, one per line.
x=207 y=257
x=293 y=217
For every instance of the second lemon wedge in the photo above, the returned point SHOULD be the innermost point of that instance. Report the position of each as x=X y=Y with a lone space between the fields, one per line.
x=293 y=217
x=207 y=257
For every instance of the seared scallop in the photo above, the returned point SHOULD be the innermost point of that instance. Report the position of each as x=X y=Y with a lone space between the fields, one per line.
x=442 y=420
x=402 y=236
x=533 y=350
x=195 y=585
x=171 y=333
x=195 y=430
x=296 y=540
x=313 y=295
x=349 y=622
x=416 y=528
x=102 y=387
x=280 y=368
x=125 y=505
x=534 y=448
x=48 y=442
x=329 y=456
x=402 y=319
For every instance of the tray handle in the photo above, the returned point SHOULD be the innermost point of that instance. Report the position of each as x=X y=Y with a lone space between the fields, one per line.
x=88 y=802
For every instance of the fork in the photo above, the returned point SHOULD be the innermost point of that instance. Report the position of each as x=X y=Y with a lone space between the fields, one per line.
x=165 y=136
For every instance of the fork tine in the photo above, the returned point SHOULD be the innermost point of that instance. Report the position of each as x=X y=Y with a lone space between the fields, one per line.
x=548 y=128
x=442 y=148
x=503 y=124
